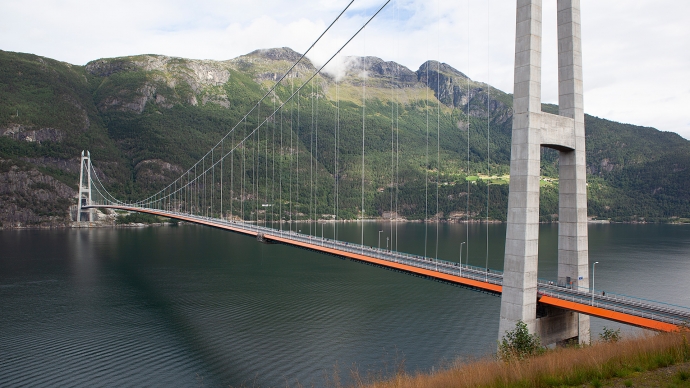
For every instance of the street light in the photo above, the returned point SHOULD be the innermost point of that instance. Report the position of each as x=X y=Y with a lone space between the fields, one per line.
x=380 y=239
x=387 y=243
x=460 y=261
x=595 y=263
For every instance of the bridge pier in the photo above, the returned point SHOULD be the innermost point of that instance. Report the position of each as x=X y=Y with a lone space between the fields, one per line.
x=565 y=132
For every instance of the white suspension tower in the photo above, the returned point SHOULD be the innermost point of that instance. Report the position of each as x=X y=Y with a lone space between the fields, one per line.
x=565 y=132
x=84 y=196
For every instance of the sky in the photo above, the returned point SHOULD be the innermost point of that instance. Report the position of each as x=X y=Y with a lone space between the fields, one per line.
x=636 y=53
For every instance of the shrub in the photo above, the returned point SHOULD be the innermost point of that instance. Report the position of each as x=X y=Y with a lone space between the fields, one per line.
x=610 y=335
x=519 y=344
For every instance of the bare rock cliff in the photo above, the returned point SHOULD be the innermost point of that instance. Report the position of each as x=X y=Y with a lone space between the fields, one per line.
x=30 y=198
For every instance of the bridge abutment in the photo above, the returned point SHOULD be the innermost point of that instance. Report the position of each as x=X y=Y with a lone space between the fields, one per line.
x=565 y=132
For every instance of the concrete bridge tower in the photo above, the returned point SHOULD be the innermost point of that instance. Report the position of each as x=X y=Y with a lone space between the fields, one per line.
x=84 y=194
x=564 y=132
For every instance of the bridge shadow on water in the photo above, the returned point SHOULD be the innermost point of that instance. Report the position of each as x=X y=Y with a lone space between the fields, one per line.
x=274 y=313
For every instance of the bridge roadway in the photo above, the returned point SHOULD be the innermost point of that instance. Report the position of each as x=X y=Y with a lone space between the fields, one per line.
x=625 y=309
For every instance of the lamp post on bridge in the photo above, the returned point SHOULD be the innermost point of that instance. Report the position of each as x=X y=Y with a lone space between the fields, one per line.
x=460 y=261
x=595 y=263
x=380 y=239
x=387 y=243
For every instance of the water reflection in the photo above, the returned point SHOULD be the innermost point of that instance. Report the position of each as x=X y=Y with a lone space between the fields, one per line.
x=193 y=305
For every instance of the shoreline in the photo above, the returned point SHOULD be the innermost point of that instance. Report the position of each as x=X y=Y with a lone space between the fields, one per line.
x=97 y=224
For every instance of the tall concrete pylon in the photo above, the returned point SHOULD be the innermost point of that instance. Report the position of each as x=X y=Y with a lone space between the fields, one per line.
x=84 y=195
x=564 y=132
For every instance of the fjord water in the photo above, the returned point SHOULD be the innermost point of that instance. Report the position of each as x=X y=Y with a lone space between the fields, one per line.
x=195 y=306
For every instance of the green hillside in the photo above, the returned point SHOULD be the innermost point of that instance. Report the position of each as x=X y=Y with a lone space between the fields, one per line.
x=147 y=119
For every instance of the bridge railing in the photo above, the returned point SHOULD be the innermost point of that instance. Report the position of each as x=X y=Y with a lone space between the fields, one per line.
x=616 y=302
x=664 y=312
x=449 y=267
x=659 y=311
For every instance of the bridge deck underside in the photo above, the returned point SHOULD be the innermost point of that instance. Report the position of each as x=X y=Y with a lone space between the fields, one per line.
x=367 y=256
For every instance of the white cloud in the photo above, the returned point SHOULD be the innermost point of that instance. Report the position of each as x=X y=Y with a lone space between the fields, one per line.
x=635 y=55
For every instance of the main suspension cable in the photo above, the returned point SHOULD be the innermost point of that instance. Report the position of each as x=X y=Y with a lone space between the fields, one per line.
x=297 y=92
x=274 y=86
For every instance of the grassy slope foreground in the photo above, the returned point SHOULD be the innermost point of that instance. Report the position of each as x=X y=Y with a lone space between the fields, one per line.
x=146 y=119
x=634 y=362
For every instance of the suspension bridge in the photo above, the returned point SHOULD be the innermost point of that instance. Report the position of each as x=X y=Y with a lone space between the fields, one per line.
x=222 y=190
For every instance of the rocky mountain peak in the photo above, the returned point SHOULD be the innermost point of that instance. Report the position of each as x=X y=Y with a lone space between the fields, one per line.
x=276 y=54
x=377 y=68
x=436 y=67
x=106 y=67
x=271 y=64
x=449 y=84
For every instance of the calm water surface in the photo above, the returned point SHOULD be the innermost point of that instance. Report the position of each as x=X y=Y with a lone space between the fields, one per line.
x=195 y=306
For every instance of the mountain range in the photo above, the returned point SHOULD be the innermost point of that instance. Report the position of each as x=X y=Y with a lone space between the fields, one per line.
x=146 y=119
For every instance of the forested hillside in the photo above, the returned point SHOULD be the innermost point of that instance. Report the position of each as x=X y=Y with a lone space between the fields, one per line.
x=147 y=119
